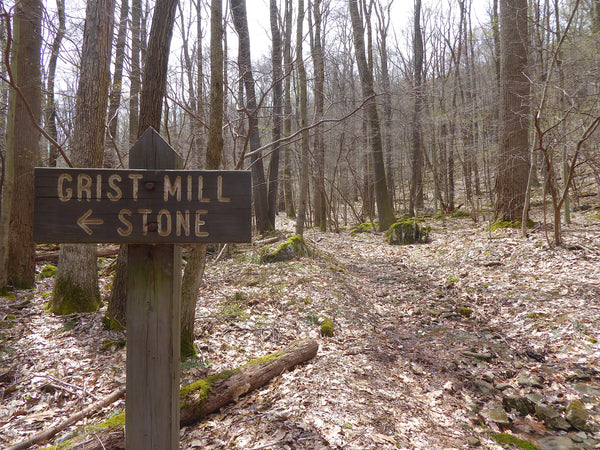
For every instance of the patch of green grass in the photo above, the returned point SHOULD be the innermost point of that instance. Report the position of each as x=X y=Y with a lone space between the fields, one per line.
x=68 y=325
x=460 y=213
x=235 y=308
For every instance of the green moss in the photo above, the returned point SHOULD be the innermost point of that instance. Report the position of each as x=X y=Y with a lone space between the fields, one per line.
x=117 y=421
x=197 y=392
x=464 y=311
x=112 y=324
x=187 y=348
x=461 y=213
x=69 y=298
x=327 y=327
x=595 y=216
x=22 y=284
x=510 y=224
x=113 y=345
x=48 y=271
x=68 y=325
x=362 y=228
x=509 y=439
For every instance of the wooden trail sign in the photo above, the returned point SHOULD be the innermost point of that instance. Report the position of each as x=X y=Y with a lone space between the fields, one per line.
x=152 y=206
x=141 y=206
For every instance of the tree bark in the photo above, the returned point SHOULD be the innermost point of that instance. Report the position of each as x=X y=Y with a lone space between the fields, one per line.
x=76 y=285
x=513 y=149
x=384 y=205
x=17 y=249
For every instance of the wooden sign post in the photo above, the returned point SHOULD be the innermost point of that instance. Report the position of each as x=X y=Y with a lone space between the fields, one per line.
x=151 y=206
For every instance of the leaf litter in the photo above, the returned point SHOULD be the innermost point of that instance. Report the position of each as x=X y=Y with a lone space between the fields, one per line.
x=429 y=340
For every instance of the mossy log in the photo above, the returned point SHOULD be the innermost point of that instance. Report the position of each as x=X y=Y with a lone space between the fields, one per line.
x=201 y=398
x=208 y=395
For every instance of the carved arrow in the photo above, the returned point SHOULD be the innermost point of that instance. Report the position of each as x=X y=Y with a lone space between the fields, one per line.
x=83 y=222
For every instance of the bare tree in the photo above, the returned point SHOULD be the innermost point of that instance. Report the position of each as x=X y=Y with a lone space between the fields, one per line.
x=384 y=205
x=76 y=285
x=513 y=151
x=22 y=145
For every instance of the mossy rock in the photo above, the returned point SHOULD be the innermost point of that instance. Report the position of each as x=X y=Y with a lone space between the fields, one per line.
x=407 y=232
x=327 y=327
x=362 y=228
x=113 y=345
x=48 y=271
x=464 y=311
x=287 y=250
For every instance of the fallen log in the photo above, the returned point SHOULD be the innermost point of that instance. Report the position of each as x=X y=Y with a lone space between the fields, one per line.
x=198 y=399
x=53 y=256
x=208 y=395
x=47 y=434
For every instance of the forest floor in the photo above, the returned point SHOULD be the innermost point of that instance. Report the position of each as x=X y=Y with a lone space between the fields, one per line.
x=472 y=338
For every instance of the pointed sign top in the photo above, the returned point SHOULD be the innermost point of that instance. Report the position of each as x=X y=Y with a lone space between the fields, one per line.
x=151 y=151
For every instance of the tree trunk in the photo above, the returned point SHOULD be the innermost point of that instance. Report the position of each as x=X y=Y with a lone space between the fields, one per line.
x=240 y=21
x=154 y=87
x=303 y=197
x=513 y=149
x=76 y=285
x=276 y=59
x=196 y=261
x=287 y=113
x=17 y=249
x=384 y=205
x=320 y=201
x=135 y=74
x=416 y=185
x=111 y=154
x=50 y=111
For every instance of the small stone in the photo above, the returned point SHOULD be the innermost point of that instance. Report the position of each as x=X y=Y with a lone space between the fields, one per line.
x=520 y=404
x=577 y=415
x=503 y=386
x=577 y=439
x=555 y=443
x=496 y=414
x=417 y=369
x=530 y=380
x=473 y=441
x=484 y=387
x=488 y=376
x=551 y=417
